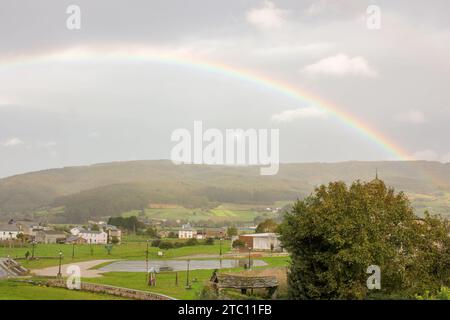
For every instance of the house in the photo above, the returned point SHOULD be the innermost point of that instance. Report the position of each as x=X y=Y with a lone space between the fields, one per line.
x=50 y=236
x=114 y=234
x=75 y=240
x=262 y=241
x=216 y=233
x=76 y=231
x=187 y=232
x=94 y=237
x=9 y=232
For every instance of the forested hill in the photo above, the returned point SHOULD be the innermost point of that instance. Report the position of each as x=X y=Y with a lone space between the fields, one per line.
x=105 y=189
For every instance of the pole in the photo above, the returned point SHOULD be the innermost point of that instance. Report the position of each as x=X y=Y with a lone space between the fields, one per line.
x=73 y=250
x=249 y=257
x=187 y=274
x=32 y=249
x=146 y=263
x=59 y=270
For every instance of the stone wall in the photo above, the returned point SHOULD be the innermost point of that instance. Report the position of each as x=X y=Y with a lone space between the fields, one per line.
x=116 y=291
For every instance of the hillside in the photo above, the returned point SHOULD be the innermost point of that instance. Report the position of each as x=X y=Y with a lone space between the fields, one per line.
x=112 y=188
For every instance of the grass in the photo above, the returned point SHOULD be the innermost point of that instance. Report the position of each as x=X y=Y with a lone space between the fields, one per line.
x=127 y=251
x=165 y=282
x=11 y=290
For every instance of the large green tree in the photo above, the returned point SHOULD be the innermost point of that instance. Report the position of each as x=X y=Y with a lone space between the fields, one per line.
x=335 y=234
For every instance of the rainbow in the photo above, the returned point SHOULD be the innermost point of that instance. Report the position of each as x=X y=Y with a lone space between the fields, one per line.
x=185 y=60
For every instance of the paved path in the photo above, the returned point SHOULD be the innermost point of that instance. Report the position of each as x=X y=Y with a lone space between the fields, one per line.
x=84 y=268
x=176 y=265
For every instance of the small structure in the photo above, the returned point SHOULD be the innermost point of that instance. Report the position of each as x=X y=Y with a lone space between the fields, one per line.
x=244 y=282
x=262 y=241
x=50 y=236
x=75 y=240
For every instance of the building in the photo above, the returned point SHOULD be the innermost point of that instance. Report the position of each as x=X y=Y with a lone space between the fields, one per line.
x=75 y=240
x=114 y=234
x=94 y=237
x=50 y=236
x=262 y=241
x=187 y=232
x=9 y=231
x=76 y=231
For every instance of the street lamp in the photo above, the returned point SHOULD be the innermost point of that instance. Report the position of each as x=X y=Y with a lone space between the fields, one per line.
x=249 y=257
x=146 y=263
x=73 y=250
x=187 y=274
x=60 y=260
x=220 y=260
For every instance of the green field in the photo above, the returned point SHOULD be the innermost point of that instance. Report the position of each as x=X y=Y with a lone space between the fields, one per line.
x=126 y=251
x=11 y=290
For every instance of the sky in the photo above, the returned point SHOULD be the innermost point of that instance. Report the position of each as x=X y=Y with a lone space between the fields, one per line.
x=83 y=96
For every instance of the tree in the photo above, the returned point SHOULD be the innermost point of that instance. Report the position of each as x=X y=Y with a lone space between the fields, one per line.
x=152 y=232
x=335 y=234
x=238 y=244
x=266 y=226
x=232 y=231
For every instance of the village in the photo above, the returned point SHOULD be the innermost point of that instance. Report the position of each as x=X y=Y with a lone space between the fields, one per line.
x=178 y=262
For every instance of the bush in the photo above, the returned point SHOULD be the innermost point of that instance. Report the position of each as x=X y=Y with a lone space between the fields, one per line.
x=209 y=241
x=238 y=244
x=192 y=242
x=166 y=245
x=156 y=243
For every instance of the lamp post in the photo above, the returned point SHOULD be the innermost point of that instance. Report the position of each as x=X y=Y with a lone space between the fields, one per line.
x=146 y=262
x=220 y=253
x=187 y=274
x=73 y=250
x=60 y=260
x=249 y=257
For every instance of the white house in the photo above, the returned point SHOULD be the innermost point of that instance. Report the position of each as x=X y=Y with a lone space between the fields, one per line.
x=262 y=241
x=187 y=232
x=9 y=231
x=94 y=237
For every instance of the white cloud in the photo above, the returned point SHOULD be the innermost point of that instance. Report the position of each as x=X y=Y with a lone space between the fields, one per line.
x=12 y=142
x=301 y=113
x=412 y=116
x=431 y=155
x=267 y=16
x=340 y=65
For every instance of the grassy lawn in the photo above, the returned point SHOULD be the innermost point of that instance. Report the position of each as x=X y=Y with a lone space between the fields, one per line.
x=128 y=251
x=10 y=290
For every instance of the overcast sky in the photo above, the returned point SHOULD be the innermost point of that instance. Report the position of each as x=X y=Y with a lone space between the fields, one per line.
x=57 y=113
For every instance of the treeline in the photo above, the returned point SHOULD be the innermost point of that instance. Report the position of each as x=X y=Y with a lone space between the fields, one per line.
x=112 y=200
x=106 y=201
